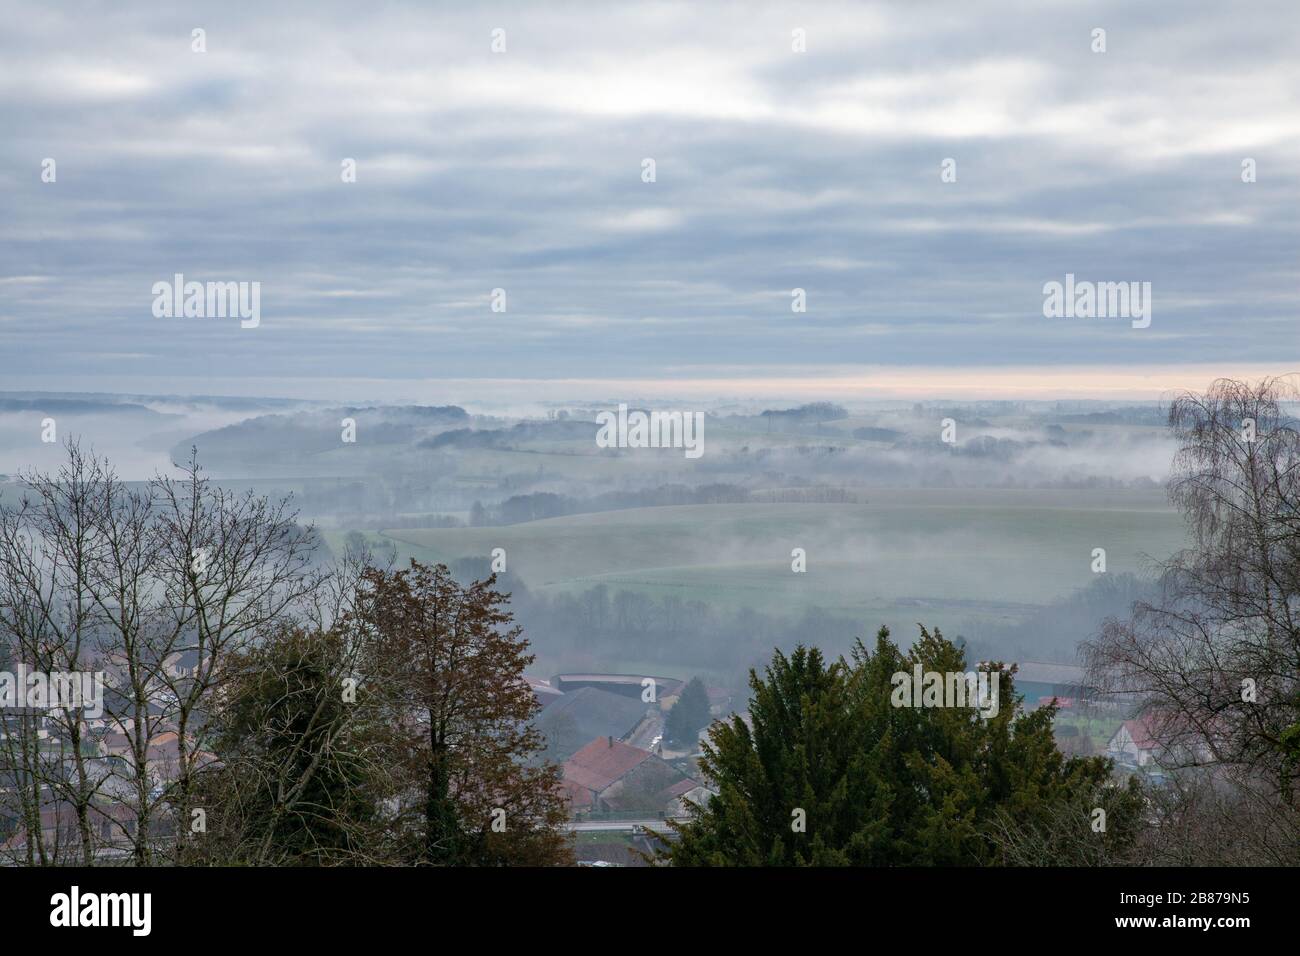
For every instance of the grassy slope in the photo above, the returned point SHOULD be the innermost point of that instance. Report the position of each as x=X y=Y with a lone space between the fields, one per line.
x=934 y=549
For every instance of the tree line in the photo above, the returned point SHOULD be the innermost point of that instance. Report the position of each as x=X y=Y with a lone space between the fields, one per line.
x=264 y=709
x=259 y=709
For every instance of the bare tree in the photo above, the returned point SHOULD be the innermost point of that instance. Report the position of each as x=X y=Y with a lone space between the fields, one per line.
x=50 y=543
x=303 y=778
x=157 y=586
x=1216 y=659
x=1107 y=829
x=229 y=566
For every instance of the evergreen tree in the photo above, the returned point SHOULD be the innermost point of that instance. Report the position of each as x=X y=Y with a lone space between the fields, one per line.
x=829 y=771
x=294 y=782
x=689 y=715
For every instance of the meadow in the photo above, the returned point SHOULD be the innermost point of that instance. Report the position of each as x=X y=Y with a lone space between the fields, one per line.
x=902 y=555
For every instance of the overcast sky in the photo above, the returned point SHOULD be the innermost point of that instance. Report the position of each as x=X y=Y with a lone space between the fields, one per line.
x=522 y=170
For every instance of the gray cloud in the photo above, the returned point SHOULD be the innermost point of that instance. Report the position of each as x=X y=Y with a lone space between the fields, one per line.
x=522 y=171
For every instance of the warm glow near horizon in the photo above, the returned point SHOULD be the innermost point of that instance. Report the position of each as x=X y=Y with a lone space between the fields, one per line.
x=876 y=382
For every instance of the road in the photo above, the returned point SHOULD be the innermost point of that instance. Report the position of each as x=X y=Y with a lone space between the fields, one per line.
x=626 y=826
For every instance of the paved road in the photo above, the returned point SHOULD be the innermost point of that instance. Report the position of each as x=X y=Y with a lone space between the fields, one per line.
x=627 y=826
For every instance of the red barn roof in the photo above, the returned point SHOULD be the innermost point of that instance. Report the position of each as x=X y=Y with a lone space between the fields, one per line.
x=603 y=761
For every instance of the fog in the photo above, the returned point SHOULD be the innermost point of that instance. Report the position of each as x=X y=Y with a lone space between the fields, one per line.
x=977 y=517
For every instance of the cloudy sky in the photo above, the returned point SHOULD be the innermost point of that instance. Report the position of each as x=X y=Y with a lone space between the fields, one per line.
x=522 y=170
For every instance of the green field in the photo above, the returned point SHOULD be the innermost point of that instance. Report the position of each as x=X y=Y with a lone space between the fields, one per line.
x=987 y=552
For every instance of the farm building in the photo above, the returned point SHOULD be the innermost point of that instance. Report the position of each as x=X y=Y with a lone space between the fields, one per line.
x=575 y=718
x=1039 y=681
x=609 y=775
x=628 y=685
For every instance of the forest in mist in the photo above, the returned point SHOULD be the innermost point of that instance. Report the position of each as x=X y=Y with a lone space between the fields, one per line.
x=979 y=517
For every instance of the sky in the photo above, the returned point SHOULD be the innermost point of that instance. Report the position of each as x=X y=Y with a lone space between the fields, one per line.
x=522 y=170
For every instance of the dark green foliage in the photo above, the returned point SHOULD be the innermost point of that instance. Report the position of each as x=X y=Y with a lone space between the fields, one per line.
x=689 y=715
x=293 y=785
x=879 y=785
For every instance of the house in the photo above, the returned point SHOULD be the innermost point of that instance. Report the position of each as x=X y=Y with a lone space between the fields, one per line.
x=162 y=752
x=596 y=767
x=654 y=786
x=115 y=745
x=626 y=685
x=543 y=691
x=1134 y=742
x=1043 y=680
x=1156 y=739
x=163 y=749
x=577 y=717
x=609 y=775
x=688 y=791
x=111 y=824
x=182 y=664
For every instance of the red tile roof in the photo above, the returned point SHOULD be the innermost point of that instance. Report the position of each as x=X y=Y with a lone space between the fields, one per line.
x=576 y=796
x=681 y=787
x=1142 y=731
x=603 y=761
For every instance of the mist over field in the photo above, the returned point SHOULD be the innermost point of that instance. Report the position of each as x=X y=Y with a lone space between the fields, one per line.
x=622 y=558
x=683 y=434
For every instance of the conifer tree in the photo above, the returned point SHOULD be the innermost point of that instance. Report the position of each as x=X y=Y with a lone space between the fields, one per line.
x=830 y=771
x=689 y=715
